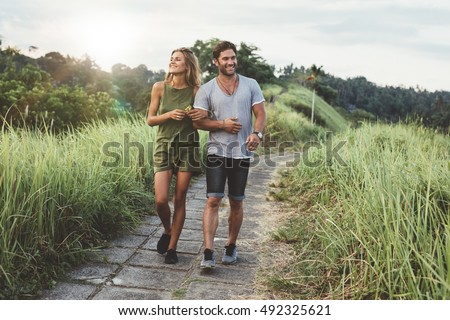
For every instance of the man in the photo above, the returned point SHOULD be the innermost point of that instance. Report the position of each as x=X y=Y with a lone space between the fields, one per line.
x=231 y=100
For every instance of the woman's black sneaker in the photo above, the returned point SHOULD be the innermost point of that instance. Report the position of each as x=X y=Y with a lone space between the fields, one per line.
x=171 y=257
x=163 y=243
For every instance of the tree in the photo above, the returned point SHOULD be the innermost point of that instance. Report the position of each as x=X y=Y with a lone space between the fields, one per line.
x=254 y=66
x=30 y=96
x=12 y=51
x=203 y=50
x=133 y=86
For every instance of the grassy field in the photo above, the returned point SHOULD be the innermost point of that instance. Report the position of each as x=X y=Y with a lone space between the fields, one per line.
x=62 y=194
x=369 y=222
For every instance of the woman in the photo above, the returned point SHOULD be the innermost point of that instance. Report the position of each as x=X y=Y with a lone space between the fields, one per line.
x=176 y=150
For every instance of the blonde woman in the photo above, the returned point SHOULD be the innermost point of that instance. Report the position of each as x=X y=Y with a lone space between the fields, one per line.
x=176 y=151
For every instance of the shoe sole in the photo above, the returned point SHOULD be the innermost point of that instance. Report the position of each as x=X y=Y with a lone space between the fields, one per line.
x=207 y=267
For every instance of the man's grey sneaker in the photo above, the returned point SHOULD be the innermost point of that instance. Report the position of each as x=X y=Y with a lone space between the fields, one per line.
x=208 y=260
x=230 y=254
x=163 y=243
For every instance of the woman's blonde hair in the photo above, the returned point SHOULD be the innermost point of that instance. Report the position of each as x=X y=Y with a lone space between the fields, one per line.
x=192 y=75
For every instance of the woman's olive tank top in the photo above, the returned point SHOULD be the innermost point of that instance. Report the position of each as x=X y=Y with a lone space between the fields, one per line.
x=175 y=130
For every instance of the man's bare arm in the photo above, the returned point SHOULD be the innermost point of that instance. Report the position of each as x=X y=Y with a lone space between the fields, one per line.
x=230 y=125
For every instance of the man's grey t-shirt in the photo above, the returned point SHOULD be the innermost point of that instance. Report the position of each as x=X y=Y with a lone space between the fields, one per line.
x=222 y=106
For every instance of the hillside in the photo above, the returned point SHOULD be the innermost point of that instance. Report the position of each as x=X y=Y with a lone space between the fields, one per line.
x=299 y=98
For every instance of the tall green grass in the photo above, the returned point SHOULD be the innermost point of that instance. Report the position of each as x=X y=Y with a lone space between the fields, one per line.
x=271 y=91
x=61 y=194
x=376 y=227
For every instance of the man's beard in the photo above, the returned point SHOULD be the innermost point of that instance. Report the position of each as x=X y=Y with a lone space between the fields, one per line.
x=224 y=70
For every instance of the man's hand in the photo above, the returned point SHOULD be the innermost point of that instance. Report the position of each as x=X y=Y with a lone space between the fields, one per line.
x=197 y=114
x=231 y=125
x=252 y=142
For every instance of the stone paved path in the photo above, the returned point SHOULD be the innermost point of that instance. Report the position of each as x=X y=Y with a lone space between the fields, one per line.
x=131 y=269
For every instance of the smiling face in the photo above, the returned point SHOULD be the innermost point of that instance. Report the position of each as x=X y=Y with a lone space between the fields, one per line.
x=177 y=63
x=226 y=62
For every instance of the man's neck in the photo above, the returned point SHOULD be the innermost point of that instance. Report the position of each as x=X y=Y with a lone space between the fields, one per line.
x=227 y=78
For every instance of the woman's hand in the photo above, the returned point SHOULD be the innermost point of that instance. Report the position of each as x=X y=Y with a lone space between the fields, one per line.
x=177 y=114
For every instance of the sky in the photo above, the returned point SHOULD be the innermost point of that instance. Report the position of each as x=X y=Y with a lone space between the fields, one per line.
x=396 y=43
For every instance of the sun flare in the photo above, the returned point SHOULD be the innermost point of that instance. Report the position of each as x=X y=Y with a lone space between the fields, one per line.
x=105 y=39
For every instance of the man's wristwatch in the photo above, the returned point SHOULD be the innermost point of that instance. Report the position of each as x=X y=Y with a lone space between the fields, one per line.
x=259 y=134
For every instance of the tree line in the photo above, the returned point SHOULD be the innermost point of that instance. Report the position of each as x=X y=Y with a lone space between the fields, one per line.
x=359 y=99
x=59 y=91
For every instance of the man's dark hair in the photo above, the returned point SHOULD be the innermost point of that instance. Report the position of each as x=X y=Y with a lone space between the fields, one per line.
x=222 y=46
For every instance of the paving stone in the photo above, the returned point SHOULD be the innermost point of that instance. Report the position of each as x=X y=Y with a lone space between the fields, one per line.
x=187 y=234
x=247 y=258
x=69 y=291
x=112 y=255
x=226 y=274
x=148 y=278
x=248 y=233
x=202 y=290
x=195 y=211
x=151 y=219
x=130 y=241
x=94 y=273
x=151 y=243
x=119 y=293
x=192 y=247
x=145 y=229
x=193 y=224
x=222 y=231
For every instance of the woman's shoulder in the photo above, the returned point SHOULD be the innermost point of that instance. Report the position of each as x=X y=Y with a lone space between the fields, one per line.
x=159 y=85
x=158 y=88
